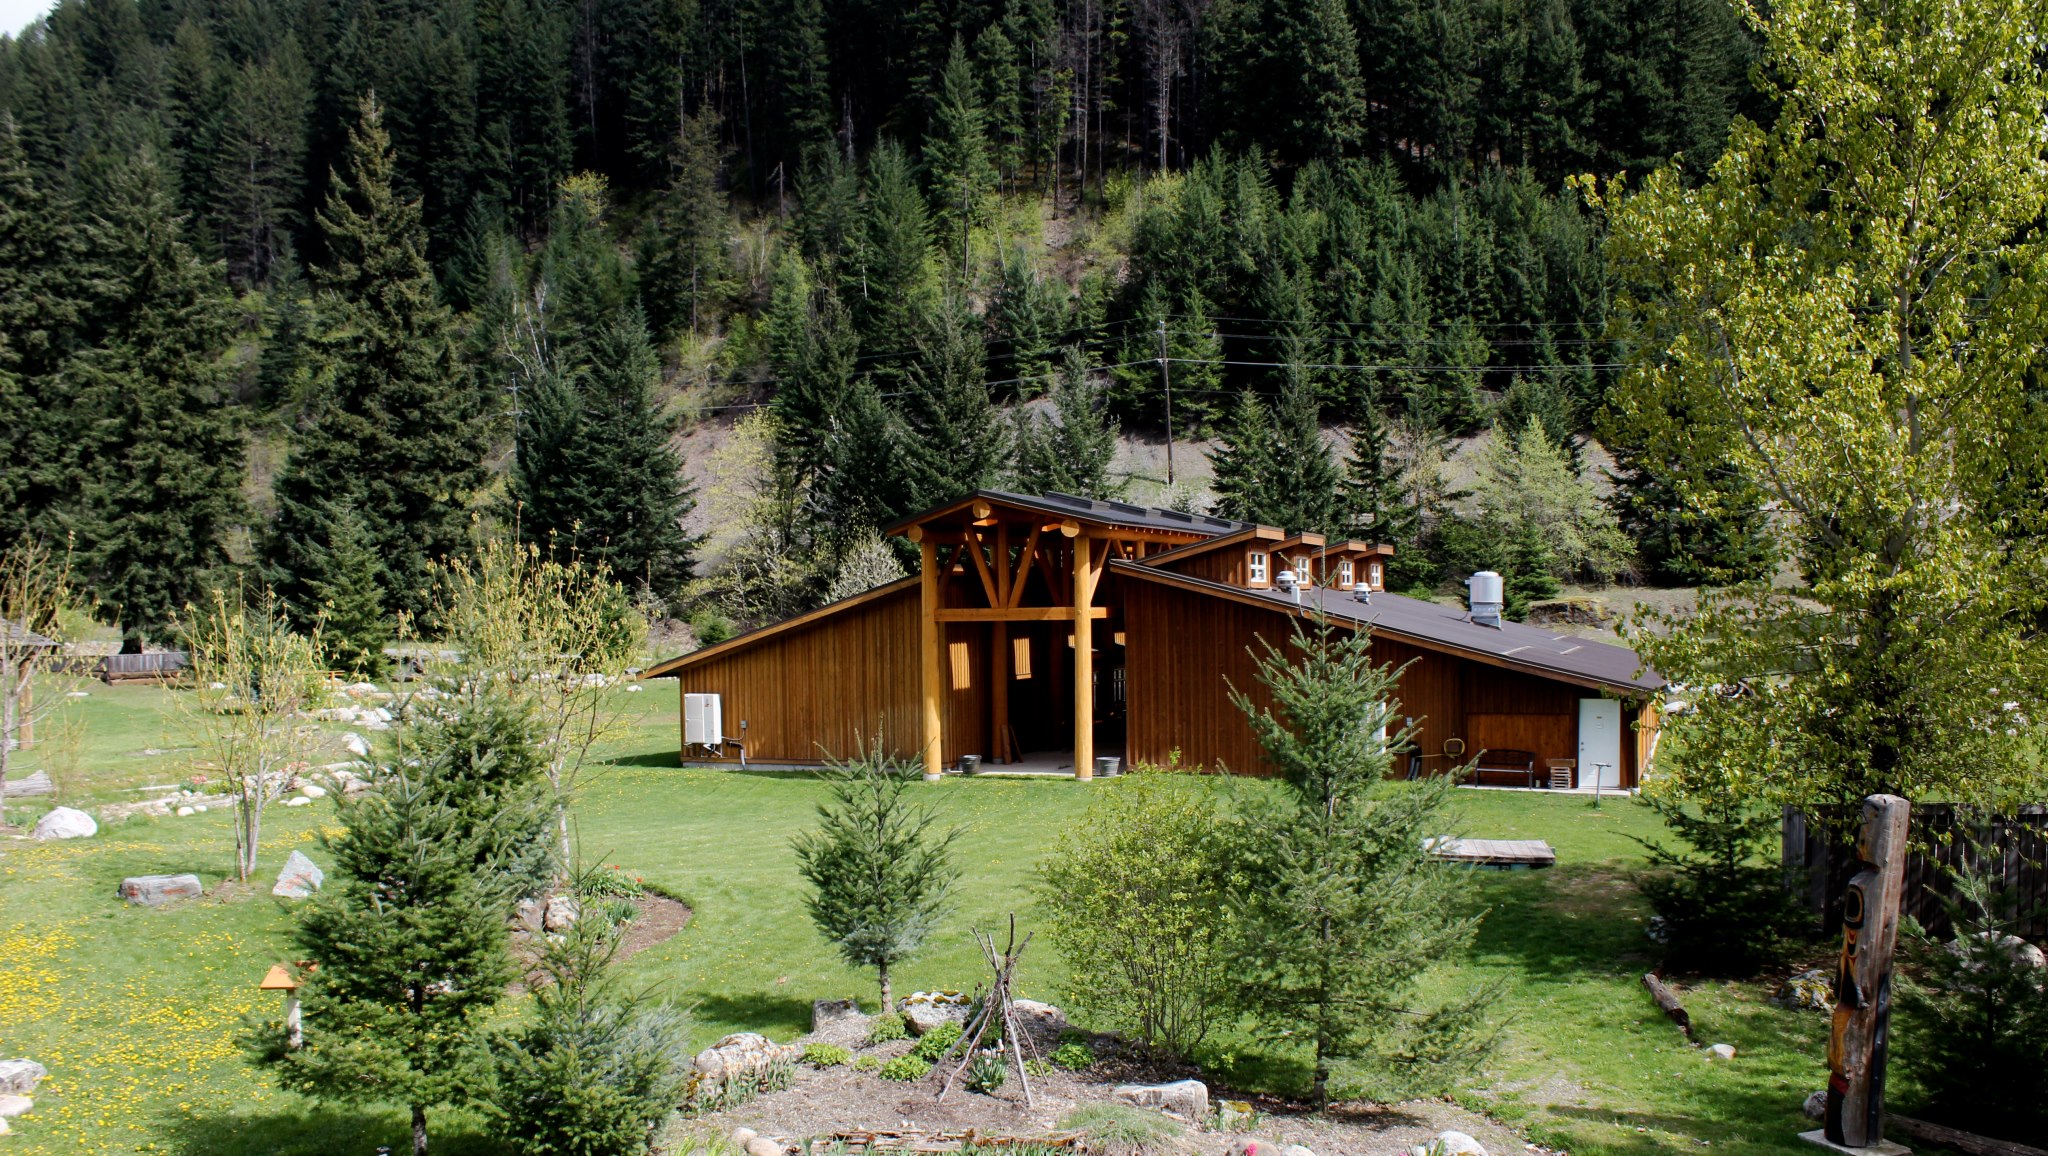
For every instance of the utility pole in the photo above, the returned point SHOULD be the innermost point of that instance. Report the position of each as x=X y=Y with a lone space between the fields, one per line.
x=1166 y=378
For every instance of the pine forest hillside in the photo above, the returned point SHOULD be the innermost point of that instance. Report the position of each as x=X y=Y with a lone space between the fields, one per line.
x=317 y=291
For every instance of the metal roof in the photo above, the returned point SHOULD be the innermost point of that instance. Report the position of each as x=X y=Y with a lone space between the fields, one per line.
x=1437 y=626
x=1092 y=509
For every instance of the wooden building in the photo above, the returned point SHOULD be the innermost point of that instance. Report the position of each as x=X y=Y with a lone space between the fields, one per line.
x=1054 y=629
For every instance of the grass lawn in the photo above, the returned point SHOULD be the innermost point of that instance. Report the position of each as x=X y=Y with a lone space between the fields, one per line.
x=135 y=1012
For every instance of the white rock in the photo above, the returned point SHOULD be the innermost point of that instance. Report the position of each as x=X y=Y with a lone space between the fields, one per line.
x=157 y=890
x=1722 y=1051
x=635 y=688
x=66 y=823
x=4 y=1129
x=300 y=878
x=20 y=1077
x=357 y=745
x=763 y=1146
x=184 y=811
x=1188 y=1099
x=742 y=1136
x=1452 y=1144
x=298 y=801
x=78 y=694
x=1297 y=1150
x=200 y=808
x=313 y=791
x=12 y=1105
x=528 y=914
x=1044 y=1016
x=562 y=911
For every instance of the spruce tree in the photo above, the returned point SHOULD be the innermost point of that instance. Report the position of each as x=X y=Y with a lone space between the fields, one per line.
x=811 y=350
x=1070 y=450
x=1243 y=463
x=40 y=268
x=1708 y=532
x=158 y=452
x=586 y=282
x=1026 y=318
x=1344 y=907
x=348 y=596
x=956 y=154
x=864 y=485
x=893 y=283
x=954 y=442
x=686 y=276
x=1305 y=495
x=1374 y=501
x=396 y=423
x=596 y=474
x=881 y=874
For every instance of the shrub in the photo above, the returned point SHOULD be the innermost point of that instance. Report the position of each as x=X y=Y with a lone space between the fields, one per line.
x=825 y=1055
x=1121 y=1127
x=906 y=1068
x=595 y=1073
x=936 y=1041
x=887 y=1029
x=1137 y=898
x=1039 y=1067
x=1722 y=902
x=1074 y=1056
x=867 y=1064
x=986 y=1072
x=1974 y=1018
x=608 y=881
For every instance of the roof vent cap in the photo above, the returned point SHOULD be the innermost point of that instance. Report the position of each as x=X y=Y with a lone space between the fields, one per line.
x=1485 y=591
x=1290 y=582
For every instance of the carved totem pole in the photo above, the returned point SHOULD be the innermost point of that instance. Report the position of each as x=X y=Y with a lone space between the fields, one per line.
x=1863 y=982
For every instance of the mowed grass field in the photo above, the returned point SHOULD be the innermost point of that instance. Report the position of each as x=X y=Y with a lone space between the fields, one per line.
x=137 y=1012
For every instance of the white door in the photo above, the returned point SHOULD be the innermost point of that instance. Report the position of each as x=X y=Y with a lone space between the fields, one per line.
x=1600 y=741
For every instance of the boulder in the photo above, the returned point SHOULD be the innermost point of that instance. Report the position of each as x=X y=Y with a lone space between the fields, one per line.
x=65 y=823
x=925 y=1011
x=20 y=1077
x=313 y=791
x=1451 y=1144
x=12 y=1105
x=4 y=1129
x=560 y=913
x=1809 y=989
x=744 y=1057
x=826 y=1012
x=1297 y=1150
x=356 y=744
x=298 y=801
x=28 y=785
x=1188 y=1099
x=184 y=811
x=1251 y=1147
x=1816 y=1105
x=1042 y=1017
x=157 y=890
x=2023 y=953
x=528 y=915
x=300 y=878
x=1721 y=1052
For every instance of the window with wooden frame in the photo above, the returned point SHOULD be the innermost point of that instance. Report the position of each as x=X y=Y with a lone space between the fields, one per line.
x=1345 y=574
x=1372 y=575
x=1255 y=568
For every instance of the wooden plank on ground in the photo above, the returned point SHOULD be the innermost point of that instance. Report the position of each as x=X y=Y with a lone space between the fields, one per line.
x=1496 y=852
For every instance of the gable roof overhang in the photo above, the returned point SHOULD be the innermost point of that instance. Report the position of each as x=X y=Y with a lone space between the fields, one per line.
x=1266 y=535
x=1510 y=646
x=758 y=635
x=1103 y=518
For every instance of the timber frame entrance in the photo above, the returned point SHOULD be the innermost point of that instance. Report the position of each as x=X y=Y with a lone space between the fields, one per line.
x=1028 y=576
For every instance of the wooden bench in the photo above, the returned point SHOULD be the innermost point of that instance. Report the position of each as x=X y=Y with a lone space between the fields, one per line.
x=1506 y=761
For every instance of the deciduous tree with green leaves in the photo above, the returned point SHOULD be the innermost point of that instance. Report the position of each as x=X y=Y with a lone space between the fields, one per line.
x=1848 y=311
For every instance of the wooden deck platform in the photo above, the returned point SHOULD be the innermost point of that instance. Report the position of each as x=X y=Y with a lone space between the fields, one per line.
x=1496 y=854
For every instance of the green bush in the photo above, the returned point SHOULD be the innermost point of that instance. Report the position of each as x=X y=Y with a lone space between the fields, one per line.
x=935 y=1042
x=1137 y=899
x=1973 y=1018
x=1122 y=1126
x=1722 y=901
x=986 y=1073
x=825 y=1055
x=867 y=1064
x=887 y=1029
x=1074 y=1057
x=906 y=1068
x=1039 y=1067
x=711 y=627
x=608 y=881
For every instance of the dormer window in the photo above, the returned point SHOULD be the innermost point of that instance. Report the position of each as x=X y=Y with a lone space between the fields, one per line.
x=1372 y=575
x=1255 y=568
x=1344 y=575
x=1302 y=571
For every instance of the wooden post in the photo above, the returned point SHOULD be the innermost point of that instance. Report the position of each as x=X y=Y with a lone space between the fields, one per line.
x=999 y=690
x=1084 y=663
x=930 y=738
x=25 y=733
x=1863 y=984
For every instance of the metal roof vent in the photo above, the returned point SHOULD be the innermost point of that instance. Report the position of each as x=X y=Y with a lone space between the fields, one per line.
x=1485 y=592
x=1287 y=580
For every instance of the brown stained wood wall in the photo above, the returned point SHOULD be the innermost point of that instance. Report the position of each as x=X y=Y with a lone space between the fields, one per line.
x=1225 y=564
x=818 y=688
x=1184 y=645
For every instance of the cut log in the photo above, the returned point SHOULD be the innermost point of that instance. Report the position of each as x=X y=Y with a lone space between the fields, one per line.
x=1668 y=1001
x=1956 y=1138
x=36 y=784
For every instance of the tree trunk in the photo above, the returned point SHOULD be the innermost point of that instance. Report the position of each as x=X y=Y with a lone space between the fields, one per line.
x=419 y=1130
x=888 y=997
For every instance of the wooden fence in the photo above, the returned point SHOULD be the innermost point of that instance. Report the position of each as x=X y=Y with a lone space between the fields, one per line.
x=1819 y=850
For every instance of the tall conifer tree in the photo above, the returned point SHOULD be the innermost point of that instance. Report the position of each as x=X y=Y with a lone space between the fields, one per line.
x=396 y=427
x=954 y=441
